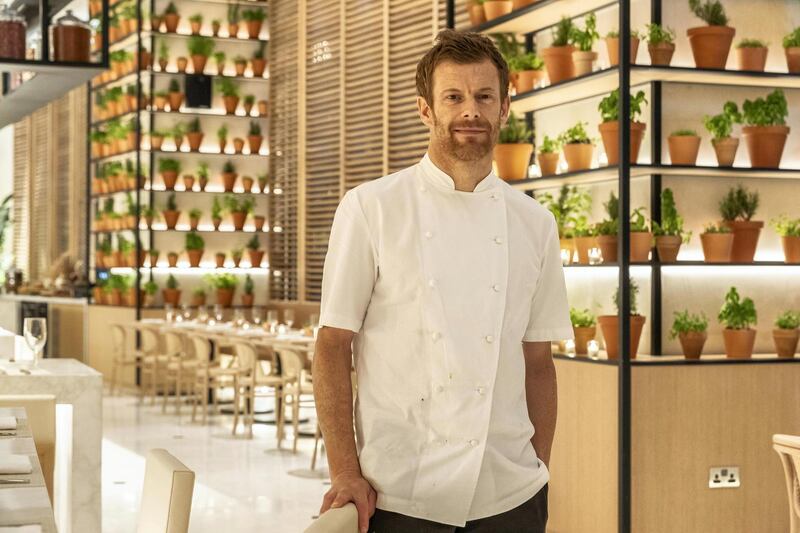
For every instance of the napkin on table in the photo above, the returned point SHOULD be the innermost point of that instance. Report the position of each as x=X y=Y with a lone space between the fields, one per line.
x=15 y=464
x=33 y=528
x=8 y=422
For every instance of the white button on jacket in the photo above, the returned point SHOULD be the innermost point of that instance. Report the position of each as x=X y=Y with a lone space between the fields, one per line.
x=411 y=339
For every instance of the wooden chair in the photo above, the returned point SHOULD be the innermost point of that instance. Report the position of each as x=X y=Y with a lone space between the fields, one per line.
x=179 y=368
x=166 y=495
x=120 y=341
x=343 y=519
x=209 y=376
x=250 y=378
x=788 y=448
x=152 y=360
x=295 y=384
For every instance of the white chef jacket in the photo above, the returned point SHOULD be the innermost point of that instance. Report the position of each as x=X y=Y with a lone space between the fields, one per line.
x=441 y=287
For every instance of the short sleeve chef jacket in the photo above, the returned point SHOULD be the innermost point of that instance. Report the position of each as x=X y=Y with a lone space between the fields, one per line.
x=442 y=287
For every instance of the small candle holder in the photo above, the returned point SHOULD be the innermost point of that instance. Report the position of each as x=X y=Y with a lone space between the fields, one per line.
x=595 y=257
x=593 y=349
x=569 y=348
x=566 y=256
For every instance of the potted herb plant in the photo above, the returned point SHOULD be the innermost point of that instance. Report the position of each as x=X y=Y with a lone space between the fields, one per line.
x=163 y=55
x=258 y=63
x=233 y=20
x=609 y=125
x=150 y=290
x=149 y=214
x=236 y=256
x=247 y=183
x=791 y=47
x=229 y=176
x=188 y=182
x=225 y=284
x=238 y=145
x=195 y=23
x=215 y=25
x=255 y=252
x=737 y=209
x=497 y=8
x=195 y=246
x=578 y=147
x=153 y=257
x=254 y=18
x=160 y=100
x=216 y=213
x=263 y=180
x=567 y=209
x=583 y=57
x=181 y=62
x=172 y=259
x=175 y=95
x=477 y=15
x=606 y=230
x=177 y=133
x=258 y=222
x=609 y=325
x=169 y=168
x=200 y=48
x=171 y=18
x=230 y=94
x=669 y=232
x=99 y=291
x=548 y=156
x=202 y=176
x=711 y=43
x=171 y=294
x=717 y=241
x=222 y=137
x=248 y=297
x=254 y=137
x=612 y=47
x=239 y=209
x=240 y=64
x=558 y=57
x=585 y=328
x=785 y=335
x=721 y=126
x=263 y=108
x=641 y=237
x=170 y=212
x=789 y=231
x=247 y=103
x=684 y=145
x=529 y=69
x=194 y=218
x=512 y=154
x=752 y=54
x=738 y=316
x=219 y=59
x=194 y=135
x=692 y=332
x=765 y=130
x=199 y=296
x=660 y=44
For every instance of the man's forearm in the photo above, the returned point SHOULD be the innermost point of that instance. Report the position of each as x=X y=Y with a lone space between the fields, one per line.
x=542 y=397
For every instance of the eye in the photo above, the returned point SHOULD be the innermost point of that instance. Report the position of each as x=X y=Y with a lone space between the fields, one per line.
x=451 y=97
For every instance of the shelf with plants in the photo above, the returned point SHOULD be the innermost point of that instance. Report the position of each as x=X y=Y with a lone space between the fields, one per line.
x=532 y=17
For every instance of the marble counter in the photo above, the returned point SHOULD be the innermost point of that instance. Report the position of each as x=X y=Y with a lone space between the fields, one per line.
x=78 y=391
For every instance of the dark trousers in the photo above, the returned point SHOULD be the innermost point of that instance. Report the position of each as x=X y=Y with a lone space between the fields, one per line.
x=530 y=517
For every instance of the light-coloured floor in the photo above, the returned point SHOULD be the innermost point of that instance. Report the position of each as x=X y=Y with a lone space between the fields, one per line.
x=242 y=485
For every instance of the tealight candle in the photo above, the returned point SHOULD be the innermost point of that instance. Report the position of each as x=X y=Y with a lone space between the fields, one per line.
x=595 y=257
x=569 y=347
x=593 y=349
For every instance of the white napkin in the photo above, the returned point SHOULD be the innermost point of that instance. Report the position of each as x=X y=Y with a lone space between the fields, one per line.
x=7 y=342
x=8 y=422
x=33 y=528
x=15 y=464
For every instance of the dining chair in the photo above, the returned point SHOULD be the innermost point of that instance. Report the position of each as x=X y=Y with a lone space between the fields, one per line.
x=166 y=494
x=41 y=412
x=121 y=357
x=180 y=367
x=209 y=376
x=295 y=384
x=152 y=360
x=342 y=519
x=250 y=378
x=788 y=448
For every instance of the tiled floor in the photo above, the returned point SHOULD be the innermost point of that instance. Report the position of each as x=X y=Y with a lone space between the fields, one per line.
x=242 y=485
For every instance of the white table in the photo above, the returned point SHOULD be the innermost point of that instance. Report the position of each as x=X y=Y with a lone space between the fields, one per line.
x=79 y=432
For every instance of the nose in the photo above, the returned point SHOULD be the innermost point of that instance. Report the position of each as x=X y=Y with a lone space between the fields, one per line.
x=470 y=110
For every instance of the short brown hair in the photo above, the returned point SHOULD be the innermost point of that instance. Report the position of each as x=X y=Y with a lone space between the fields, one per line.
x=462 y=48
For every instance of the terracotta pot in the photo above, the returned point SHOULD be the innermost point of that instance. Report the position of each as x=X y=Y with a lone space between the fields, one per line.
x=641 y=243
x=171 y=21
x=148 y=220
x=512 y=160
x=195 y=139
x=692 y=343
x=745 y=239
x=172 y=259
x=248 y=299
x=114 y=297
x=258 y=66
x=238 y=220
x=233 y=30
x=583 y=244
x=255 y=257
x=194 y=257
x=255 y=143
x=477 y=15
x=216 y=222
x=578 y=156
x=558 y=62
x=752 y=58
x=195 y=27
x=236 y=260
x=188 y=181
x=725 y=149
x=608 y=247
x=160 y=102
x=181 y=64
x=609 y=132
x=263 y=109
x=171 y=296
x=193 y=223
x=717 y=247
x=661 y=54
x=238 y=145
x=97 y=295
x=145 y=59
x=785 y=341
x=527 y=80
x=683 y=149
x=668 y=247
x=202 y=182
x=582 y=337
x=247 y=183
x=171 y=218
x=153 y=259
x=220 y=260
x=169 y=177
x=220 y=69
x=175 y=101
x=791 y=249
x=612 y=47
x=240 y=67
x=765 y=144
x=548 y=163
x=711 y=45
x=739 y=342
x=222 y=144
x=229 y=180
x=225 y=297
x=609 y=325
x=162 y=65
x=793 y=59
x=497 y=8
x=253 y=28
x=258 y=221
x=230 y=103
x=199 y=63
x=584 y=62
x=518 y=4
x=198 y=300
x=215 y=28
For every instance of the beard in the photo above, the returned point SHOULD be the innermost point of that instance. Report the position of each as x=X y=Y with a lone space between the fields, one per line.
x=472 y=148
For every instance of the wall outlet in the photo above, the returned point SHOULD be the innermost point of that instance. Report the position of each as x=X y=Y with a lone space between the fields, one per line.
x=723 y=477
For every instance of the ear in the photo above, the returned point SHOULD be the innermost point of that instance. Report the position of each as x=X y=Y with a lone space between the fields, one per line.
x=505 y=107
x=425 y=112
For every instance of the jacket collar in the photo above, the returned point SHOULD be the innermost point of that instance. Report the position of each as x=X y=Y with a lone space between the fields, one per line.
x=439 y=178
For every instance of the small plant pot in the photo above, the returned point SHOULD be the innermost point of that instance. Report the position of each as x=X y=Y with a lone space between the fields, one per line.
x=149 y=300
x=97 y=295
x=255 y=257
x=247 y=184
x=711 y=45
x=263 y=108
x=233 y=30
x=162 y=65
x=248 y=299
x=222 y=144
x=661 y=54
x=612 y=47
x=578 y=156
x=548 y=163
x=171 y=296
x=115 y=297
x=791 y=249
x=512 y=160
x=558 y=62
x=195 y=139
x=169 y=177
x=717 y=247
x=172 y=259
x=609 y=133
x=609 y=325
x=253 y=29
x=198 y=300
x=238 y=220
x=683 y=149
x=160 y=102
x=202 y=182
x=497 y=8
x=181 y=64
x=745 y=239
x=608 y=247
x=258 y=221
x=258 y=66
x=148 y=220
x=255 y=143
x=692 y=343
x=225 y=297
x=194 y=257
x=765 y=144
x=793 y=59
x=240 y=67
x=230 y=103
x=216 y=222
x=195 y=27
x=583 y=62
x=188 y=182
x=477 y=15
x=785 y=341
x=153 y=259
x=236 y=260
x=641 y=243
x=171 y=21
x=220 y=69
x=518 y=4
x=582 y=337
x=220 y=260
x=238 y=145
x=229 y=180
x=752 y=58
x=725 y=149
x=247 y=108
x=193 y=222
x=215 y=28
x=199 y=63
x=171 y=218
x=739 y=342
x=583 y=245
x=528 y=79
x=668 y=247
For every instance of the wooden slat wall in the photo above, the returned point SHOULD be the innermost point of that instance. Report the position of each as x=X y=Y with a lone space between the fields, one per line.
x=21 y=212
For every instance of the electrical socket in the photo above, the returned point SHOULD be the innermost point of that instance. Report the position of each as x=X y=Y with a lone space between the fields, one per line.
x=724 y=477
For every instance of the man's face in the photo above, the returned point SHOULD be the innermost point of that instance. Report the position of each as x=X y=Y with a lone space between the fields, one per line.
x=466 y=113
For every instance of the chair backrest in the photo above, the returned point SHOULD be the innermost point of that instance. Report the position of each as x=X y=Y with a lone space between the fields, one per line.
x=174 y=343
x=788 y=448
x=41 y=411
x=118 y=341
x=148 y=339
x=291 y=363
x=340 y=520
x=246 y=356
x=166 y=495
x=202 y=348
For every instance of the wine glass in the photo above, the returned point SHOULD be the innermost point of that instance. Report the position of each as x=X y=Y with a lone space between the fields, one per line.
x=272 y=320
x=187 y=312
x=256 y=316
x=202 y=314
x=169 y=312
x=218 y=312
x=35 y=330
x=288 y=317
x=238 y=318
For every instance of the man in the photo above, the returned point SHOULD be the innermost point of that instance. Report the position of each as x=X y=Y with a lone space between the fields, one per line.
x=449 y=285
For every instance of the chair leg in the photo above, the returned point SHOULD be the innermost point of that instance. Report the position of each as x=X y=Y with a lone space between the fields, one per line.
x=195 y=398
x=114 y=372
x=235 y=404
x=204 y=399
x=296 y=420
x=178 y=399
x=317 y=435
x=251 y=409
x=165 y=393
x=279 y=406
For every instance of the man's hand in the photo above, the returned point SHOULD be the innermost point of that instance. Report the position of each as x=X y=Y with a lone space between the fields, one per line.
x=352 y=487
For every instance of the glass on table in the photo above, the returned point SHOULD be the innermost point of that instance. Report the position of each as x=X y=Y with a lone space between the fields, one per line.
x=256 y=315
x=187 y=312
x=218 y=312
x=202 y=314
x=170 y=312
x=288 y=317
x=35 y=332
x=272 y=319
x=238 y=318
